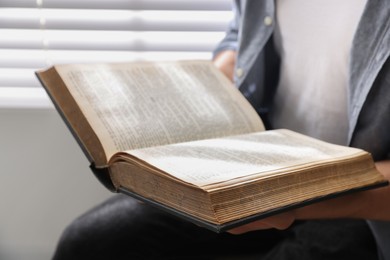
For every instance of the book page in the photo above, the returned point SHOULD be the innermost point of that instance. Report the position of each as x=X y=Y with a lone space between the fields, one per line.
x=212 y=161
x=137 y=105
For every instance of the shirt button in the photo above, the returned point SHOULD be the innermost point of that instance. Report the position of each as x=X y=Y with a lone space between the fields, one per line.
x=268 y=20
x=239 y=72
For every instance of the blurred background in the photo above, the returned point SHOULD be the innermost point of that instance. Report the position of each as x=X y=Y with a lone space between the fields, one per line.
x=45 y=181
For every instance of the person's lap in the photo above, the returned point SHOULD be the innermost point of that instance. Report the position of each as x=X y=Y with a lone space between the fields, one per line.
x=123 y=228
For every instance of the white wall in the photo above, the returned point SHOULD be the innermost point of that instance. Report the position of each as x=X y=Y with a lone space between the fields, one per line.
x=45 y=182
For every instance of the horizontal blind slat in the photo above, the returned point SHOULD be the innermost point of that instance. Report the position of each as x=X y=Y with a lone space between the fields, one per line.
x=20 y=97
x=124 y=4
x=18 y=78
x=16 y=58
x=109 y=40
x=114 y=19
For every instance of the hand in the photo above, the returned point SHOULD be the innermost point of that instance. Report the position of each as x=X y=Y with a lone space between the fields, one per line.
x=225 y=62
x=280 y=221
x=371 y=204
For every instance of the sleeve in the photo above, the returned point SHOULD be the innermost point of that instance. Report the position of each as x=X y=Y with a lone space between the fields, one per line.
x=230 y=41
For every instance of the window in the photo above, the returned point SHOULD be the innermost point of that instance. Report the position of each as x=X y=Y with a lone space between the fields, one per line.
x=35 y=34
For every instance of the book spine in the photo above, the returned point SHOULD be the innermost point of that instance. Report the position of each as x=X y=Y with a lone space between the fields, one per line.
x=103 y=175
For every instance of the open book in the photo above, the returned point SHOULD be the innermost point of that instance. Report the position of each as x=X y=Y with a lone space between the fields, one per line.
x=179 y=135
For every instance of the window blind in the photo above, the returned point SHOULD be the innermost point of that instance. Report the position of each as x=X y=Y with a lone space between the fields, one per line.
x=35 y=34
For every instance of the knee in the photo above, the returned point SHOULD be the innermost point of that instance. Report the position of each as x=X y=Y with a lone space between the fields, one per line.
x=102 y=231
x=74 y=242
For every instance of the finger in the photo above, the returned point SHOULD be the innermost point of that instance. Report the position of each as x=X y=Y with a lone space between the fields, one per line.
x=257 y=225
x=281 y=221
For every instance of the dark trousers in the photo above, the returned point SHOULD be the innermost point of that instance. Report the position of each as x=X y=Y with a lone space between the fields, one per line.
x=123 y=228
